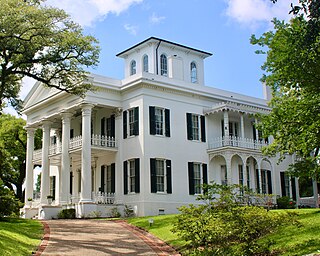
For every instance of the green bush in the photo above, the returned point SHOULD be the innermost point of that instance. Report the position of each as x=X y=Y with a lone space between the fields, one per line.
x=285 y=203
x=115 y=213
x=224 y=226
x=67 y=214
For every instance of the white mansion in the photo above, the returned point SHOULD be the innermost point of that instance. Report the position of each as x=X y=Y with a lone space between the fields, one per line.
x=147 y=141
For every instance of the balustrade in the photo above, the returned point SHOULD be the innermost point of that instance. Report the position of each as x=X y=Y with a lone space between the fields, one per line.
x=232 y=141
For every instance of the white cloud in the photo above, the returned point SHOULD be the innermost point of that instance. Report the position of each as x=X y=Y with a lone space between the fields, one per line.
x=131 y=29
x=253 y=12
x=86 y=12
x=154 y=19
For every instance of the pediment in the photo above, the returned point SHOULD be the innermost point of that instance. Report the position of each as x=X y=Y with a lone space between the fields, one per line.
x=38 y=94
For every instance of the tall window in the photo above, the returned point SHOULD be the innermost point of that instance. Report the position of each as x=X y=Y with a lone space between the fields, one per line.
x=159 y=121
x=198 y=176
x=224 y=175
x=240 y=171
x=133 y=67
x=160 y=173
x=131 y=122
x=163 y=65
x=196 y=127
x=193 y=72
x=248 y=176
x=108 y=178
x=145 y=63
x=131 y=176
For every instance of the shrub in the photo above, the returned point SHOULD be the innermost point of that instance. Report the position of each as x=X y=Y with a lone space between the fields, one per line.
x=285 y=203
x=224 y=226
x=9 y=204
x=67 y=214
x=128 y=211
x=115 y=213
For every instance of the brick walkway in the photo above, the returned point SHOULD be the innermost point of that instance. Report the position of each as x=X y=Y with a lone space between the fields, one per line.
x=99 y=237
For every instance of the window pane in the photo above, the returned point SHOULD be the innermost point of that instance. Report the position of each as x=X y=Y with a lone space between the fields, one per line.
x=197 y=178
x=131 y=122
x=160 y=175
x=159 y=121
x=133 y=69
x=163 y=65
x=193 y=70
x=145 y=63
x=195 y=127
x=132 y=175
x=108 y=181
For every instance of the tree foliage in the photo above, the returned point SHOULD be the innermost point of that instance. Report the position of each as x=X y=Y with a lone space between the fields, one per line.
x=293 y=72
x=224 y=225
x=13 y=151
x=42 y=42
x=9 y=204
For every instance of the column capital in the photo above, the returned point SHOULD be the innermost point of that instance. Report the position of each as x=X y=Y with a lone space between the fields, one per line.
x=46 y=124
x=66 y=115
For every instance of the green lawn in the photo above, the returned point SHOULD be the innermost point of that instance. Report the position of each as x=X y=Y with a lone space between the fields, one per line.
x=290 y=240
x=19 y=236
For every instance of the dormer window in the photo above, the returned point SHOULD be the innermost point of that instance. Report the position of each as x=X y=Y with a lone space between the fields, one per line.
x=193 y=72
x=163 y=65
x=145 y=63
x=133 y=67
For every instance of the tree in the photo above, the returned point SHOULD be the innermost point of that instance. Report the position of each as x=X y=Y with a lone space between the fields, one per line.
x=42 y=42
x=293 y=72
x=13 y=152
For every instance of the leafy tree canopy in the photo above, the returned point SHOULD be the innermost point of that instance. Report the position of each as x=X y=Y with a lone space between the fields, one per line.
x=42 y=42
x=13 y=151
x=293 y=72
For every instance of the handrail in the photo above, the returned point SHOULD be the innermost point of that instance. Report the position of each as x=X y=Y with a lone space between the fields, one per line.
x=233 y=141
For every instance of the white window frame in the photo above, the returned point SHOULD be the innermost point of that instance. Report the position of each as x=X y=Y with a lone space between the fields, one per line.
x=133 y=67
x=145 y=63
x=197 y=177
x=161 y=175
x=193 y=72
x=163 y=65
x=159 y=120
x=131 y=119
x=196 y=127
x=131 y=176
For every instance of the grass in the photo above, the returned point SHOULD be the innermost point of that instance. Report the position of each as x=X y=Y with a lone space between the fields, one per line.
x=161 y=228
x=299 y=239
x=290 y=240
x=19 y=236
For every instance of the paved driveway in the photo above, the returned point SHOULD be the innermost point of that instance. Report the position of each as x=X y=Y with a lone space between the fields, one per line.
x=97 y=237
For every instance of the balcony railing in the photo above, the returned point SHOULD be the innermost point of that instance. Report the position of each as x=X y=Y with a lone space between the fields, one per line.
x=232 y=141
x=99 y=141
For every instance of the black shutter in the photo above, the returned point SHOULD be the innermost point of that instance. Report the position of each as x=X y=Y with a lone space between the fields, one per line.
x=103 y=126
x=167 y=122
x=137 y=175
x=102 y=178
x=113 y=126
x=136 y=121
x=205 y=176
x=283 y=184
x=169 y=177
x=125 y=177
x=125 y=124
x=189 y=126
x=191 y=178
x=71 y=183
x=258 y=180
x=254 y=132
x=113 y=178
x=152 y=120
x=203 y=128
x=269 y=182
x=293 y=189
x=153 y=175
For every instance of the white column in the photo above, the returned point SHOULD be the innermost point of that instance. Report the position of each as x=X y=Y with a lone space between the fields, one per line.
x=65 y=159
x=257 y=132
x=226 y=123
x=85 y=195
x=260 y=180
x=296 y=180
x=229 y=171
x=29 y=164
x=45 y=173
x=242 y=125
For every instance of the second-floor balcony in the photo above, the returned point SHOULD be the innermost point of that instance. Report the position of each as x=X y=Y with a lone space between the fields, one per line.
x=237 y=142
x=97 y=141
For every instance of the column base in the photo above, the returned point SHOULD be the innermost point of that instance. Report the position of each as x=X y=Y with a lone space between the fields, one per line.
x=85 y=208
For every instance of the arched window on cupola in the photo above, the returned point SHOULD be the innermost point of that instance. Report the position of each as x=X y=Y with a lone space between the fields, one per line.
x=145 y=63
x=133 y=67
x=193 y=72
x=163 y=65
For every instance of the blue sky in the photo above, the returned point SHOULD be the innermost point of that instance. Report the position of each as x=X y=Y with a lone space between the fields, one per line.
x=222 y=27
